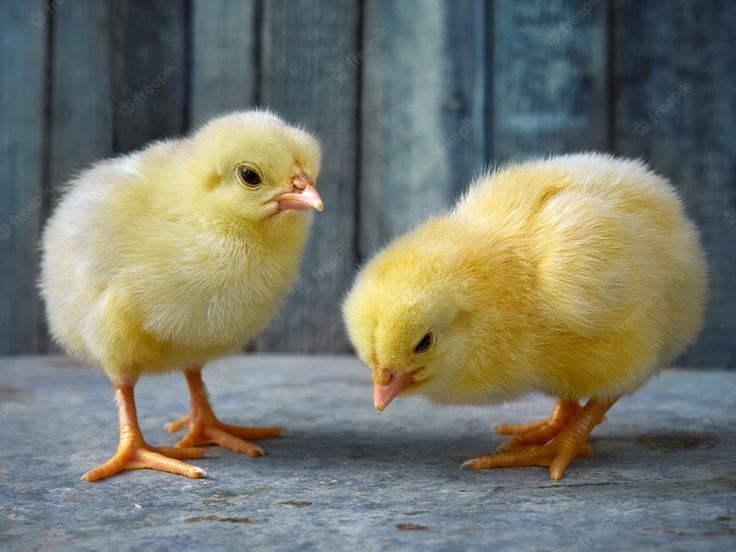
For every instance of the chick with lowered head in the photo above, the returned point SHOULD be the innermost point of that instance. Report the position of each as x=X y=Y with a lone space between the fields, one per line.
x=171 y=256
x=578 y=276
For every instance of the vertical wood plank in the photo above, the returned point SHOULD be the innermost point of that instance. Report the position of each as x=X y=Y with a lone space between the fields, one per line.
x=81 y=96
x=307 y=48
x=675 y=73
x=150 y=71
x=23 y=50
x=422 y=111
x=81 y=92
x=224 y=72
x=550 y=92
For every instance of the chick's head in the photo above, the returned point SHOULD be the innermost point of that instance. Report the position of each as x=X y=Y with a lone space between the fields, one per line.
x=407 y=324
x=254 y=166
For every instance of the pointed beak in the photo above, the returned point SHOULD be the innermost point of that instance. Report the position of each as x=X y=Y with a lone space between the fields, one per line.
x=302 y=196
x=387 y=386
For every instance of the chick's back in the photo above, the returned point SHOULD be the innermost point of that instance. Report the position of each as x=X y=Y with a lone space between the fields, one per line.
x=618 y=273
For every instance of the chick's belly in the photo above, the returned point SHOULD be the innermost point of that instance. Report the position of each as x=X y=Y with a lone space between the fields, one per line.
x=603 y=369
x=135 y=355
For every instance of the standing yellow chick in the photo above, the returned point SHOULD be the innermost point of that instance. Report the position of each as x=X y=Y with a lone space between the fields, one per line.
x=578 y=276
x=168 y=257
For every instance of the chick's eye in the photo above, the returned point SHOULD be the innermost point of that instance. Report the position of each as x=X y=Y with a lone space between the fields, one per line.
x=424 y=344
x=249 y=177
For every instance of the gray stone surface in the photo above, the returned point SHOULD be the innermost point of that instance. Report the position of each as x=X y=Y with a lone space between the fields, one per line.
x=662 y=475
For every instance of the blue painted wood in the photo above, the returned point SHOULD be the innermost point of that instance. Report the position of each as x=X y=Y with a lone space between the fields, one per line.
x=423 y=127
x=675 y=73
x=224 y=69
x=23 y=35
x=150 y=85
x=305 y=75
x=81 y=113
x=549 y=92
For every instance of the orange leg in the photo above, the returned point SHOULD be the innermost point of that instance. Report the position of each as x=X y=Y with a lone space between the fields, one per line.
x=539 y=432
x=134 y=453
x=206 y=429
x=559 y=451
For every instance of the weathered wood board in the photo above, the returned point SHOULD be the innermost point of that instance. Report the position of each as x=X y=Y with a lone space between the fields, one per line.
x=224 y=70
x=422 y=111
x=306 y=48
x=549 y=91
x=675 y=108
x=23 y=53
x=151 y=65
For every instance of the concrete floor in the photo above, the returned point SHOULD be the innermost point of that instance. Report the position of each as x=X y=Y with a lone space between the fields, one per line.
x=662 y=476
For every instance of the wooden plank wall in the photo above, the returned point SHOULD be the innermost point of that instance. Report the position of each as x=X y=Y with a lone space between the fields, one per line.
x=411 y=99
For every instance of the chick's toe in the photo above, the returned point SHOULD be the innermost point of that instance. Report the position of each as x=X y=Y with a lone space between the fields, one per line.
x=539 y=432
x=558 y=452
x=206 y=429
x=134 y=453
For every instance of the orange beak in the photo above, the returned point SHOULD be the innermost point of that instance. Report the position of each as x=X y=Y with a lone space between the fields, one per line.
x=303 y=195
x=387 y=386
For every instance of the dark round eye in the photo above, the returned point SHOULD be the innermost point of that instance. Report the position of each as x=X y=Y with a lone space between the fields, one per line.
x=424 y=344
x=249 y=176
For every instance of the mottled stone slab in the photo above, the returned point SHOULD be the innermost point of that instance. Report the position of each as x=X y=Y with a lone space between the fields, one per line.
x=662 y=475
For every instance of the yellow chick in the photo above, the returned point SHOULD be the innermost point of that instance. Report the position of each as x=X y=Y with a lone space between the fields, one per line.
x=168 y=257
x=578 y=276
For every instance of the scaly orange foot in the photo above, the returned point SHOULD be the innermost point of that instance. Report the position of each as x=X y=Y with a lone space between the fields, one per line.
x=206 y=429
x=558 y=452
x=541 y=431
x=134 y=453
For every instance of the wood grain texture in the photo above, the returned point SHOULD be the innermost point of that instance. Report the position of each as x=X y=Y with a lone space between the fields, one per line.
x=80 y=116
x=23 y=45
x=224 y=69
x=81 y=91
x=675 y=69
x=422 y=107
x=306 y=77
x=549 y=92
x=150 y=71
